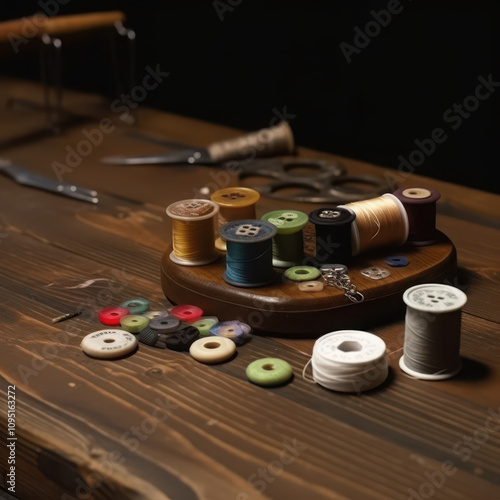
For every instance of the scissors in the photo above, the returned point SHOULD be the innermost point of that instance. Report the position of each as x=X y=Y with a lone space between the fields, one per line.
x=272 y=141
x=268 y=153
x=328 y=183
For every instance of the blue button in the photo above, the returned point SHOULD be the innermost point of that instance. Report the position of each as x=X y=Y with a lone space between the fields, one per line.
x=397 y=261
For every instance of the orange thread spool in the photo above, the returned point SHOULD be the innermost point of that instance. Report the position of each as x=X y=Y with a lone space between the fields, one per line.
x=235 y=203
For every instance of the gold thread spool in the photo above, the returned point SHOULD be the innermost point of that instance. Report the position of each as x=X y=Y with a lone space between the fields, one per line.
x=193 y=232
x=379 y=222
x=235 y=203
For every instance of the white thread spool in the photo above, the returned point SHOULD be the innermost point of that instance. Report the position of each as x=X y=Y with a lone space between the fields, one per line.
x=349 y=361
x=432 y=331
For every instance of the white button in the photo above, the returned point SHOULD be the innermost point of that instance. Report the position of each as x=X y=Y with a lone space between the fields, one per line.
x=311 y=286
x=107 y=344
x=212 y=349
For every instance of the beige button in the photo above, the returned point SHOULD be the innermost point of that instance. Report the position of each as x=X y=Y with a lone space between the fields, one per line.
x=212 y=349
x=417 y=193
x=311 y=286
x=107 y=344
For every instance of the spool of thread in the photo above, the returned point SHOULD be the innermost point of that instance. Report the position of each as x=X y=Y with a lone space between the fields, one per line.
x=432 y=331
x=333 y=227
x=288 y=244
x=193 y=232
x=249 y=255
x=380 y=222
x=349 y=361
x=235 y=203
x=420 y=205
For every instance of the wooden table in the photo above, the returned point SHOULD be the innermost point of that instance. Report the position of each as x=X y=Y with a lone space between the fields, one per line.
x=159 y=425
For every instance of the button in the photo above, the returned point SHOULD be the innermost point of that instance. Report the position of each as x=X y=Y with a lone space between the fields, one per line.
x=397 y=261
x=286 y=221
x=269 y=371
x=186 y=313
x=106 y=344
x=210 y=350
x=136 y=306
x=182 y=339
x=302 y=273
x=375 y=273
x=311 y=286
x=134 y=323
x=112 y=315
x=149 y=337
x=153 y=338
x=165 y=325
x=156 y=314
x=204 y=324
x=238 y=332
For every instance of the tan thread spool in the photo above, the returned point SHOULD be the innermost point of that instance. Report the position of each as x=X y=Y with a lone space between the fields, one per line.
x=379 y=222
x=193 y=232
x=235 y=203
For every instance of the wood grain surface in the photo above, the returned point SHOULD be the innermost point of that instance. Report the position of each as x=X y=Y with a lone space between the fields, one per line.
x=159 y=425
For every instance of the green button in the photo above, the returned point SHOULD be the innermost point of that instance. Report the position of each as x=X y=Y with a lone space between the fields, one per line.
x=269 y=371
x=134 y=323
x=204 y=324
x=286 y=221
x=302 y=273
x=136 y=306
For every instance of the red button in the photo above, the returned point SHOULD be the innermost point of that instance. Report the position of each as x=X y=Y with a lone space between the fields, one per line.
x=186 y=313
x=112 y=315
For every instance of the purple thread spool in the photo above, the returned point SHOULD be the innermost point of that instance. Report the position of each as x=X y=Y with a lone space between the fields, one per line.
x=420 y=205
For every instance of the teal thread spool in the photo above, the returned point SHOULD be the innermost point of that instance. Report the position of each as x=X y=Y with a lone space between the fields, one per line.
x=249 y=253
x=288 y=243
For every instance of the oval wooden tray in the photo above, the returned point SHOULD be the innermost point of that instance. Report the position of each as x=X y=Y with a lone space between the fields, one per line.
x=282 y=308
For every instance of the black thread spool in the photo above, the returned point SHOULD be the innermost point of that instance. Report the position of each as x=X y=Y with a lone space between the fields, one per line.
x=420 y=205
x=333 y=235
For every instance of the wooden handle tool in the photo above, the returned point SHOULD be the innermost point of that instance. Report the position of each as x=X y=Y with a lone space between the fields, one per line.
x=38 y=25
x=271 y=141
x=82 y=22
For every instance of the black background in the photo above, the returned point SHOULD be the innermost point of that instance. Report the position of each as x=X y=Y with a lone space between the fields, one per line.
x=272 y=55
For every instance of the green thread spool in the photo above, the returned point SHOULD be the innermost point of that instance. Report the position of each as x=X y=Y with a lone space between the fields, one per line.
x=288 y=243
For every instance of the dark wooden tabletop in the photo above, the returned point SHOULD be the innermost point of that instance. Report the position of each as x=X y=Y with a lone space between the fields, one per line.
x=158 y=425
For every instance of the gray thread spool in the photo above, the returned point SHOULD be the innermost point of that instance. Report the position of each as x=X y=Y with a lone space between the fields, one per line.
x=432 y=331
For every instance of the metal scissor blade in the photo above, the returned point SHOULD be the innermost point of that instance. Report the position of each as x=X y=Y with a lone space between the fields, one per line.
x=28 y=178
x=189 y=156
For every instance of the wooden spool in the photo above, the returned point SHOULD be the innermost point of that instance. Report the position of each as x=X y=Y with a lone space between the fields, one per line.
x=282 y=308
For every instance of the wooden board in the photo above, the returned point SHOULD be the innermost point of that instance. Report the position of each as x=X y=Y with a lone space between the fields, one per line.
x=282 y=308
x=86 y=427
